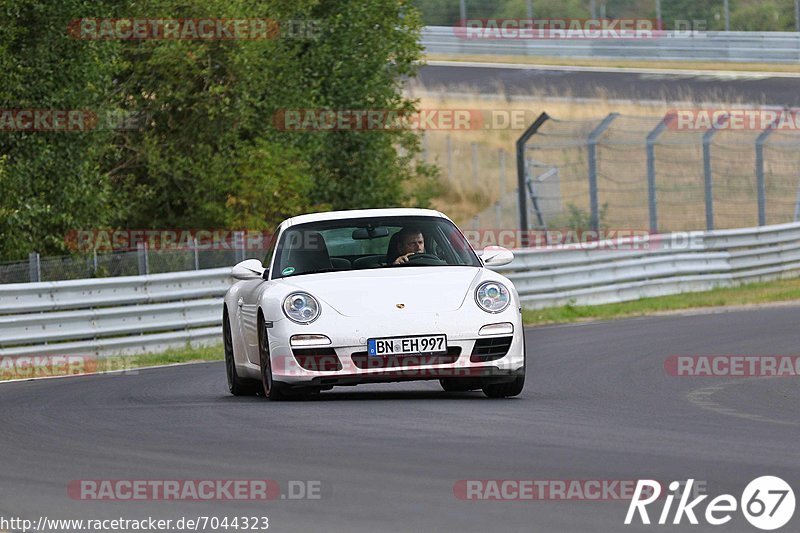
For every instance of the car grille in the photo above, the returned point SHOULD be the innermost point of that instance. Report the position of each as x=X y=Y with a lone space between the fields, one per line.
x=364 y=361
x=318 y=359
x=490 y=349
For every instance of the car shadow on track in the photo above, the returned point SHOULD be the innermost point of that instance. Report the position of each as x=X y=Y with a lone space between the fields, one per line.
x=342 y=396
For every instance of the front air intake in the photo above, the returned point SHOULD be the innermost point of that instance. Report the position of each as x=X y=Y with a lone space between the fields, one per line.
x=317 y=359
x=490 y=349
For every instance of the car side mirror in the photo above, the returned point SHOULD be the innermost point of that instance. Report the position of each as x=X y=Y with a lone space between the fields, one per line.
x=496 y=256
x=248 y=269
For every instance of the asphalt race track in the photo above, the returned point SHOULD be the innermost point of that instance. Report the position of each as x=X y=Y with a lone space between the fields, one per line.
x=598 y=405
x=670 y=86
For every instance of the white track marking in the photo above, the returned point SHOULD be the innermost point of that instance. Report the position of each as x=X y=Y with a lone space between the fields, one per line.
x=124 y=370
x=702 y=398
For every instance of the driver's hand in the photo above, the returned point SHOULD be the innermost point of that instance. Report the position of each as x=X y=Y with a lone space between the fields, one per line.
x=402 y=259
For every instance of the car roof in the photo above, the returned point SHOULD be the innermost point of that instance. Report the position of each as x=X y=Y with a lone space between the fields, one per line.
x=362 y=213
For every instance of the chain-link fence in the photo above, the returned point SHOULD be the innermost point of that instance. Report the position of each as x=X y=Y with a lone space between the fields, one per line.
x=647 y=173
x=613 y=172
x=121 y=263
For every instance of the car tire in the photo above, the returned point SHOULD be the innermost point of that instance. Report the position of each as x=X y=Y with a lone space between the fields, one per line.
x=512 y=388
x=269 y=389
x=458 y=385
x=505 y=390
x=236 y=385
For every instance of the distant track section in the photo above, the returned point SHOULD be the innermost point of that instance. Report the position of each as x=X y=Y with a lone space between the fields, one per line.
x=628 y=84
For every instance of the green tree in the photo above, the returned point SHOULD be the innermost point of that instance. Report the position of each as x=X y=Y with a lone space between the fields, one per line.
x=53 y=181
x=206 y=153
x=764 y=16
x=358 y=168
x=210 y=149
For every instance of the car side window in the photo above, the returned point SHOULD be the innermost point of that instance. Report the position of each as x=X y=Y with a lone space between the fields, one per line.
x=270 y=249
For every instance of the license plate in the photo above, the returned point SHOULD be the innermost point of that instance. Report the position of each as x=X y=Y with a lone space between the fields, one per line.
x=432 y=344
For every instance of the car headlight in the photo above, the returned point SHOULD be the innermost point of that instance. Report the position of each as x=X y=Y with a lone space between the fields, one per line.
x=301 y=307
x=492 y=297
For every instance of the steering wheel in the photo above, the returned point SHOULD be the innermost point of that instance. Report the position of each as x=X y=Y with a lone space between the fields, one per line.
x=425 y=259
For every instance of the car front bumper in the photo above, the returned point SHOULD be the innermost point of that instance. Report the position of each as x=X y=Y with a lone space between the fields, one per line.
x=348 y=340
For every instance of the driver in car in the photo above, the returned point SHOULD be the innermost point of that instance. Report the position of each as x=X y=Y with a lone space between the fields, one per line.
x=410 y=241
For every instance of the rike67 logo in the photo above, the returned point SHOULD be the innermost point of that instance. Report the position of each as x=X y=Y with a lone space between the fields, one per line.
x=767 y=503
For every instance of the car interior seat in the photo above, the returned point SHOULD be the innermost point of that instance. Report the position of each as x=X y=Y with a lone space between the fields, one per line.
x=307 y=252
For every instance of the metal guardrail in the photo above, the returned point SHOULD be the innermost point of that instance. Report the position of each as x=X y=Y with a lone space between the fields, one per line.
x=102 y=316
x=140 y=314
x=674 y=263
x=734 y=46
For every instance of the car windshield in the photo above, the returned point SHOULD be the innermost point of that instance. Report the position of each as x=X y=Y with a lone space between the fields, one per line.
x=367 y=243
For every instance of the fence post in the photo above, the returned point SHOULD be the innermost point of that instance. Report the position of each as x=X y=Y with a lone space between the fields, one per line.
x=591 y=142
x=651 y=172
x=535 y=199
x=238 y=243
x=144 y=264
x=449 y=149
x=34 y=267
x=502 y=158
x=761 y=185
x=474 y=149
x=522 y=198
x=196 y=253
x=707 y=175
x=797 y=204
x=94 y=260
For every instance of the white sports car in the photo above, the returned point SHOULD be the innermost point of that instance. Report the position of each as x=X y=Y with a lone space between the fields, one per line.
x=371 y=296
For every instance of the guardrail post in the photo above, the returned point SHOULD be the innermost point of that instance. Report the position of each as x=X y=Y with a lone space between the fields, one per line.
x=651 y=172
x=760 y=182
x=707 y=175
x=144 y=264
x=522 y=199
x=34 y=267
x=591 y=142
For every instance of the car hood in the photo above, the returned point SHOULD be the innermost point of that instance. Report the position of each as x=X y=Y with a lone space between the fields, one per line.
x=378 y=291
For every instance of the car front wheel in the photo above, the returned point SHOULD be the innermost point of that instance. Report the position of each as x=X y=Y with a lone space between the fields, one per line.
x=236 y=385
x=269 y=389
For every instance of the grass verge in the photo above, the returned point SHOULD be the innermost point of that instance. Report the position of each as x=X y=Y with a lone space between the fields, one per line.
x=43 y=366
x=746 y=295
